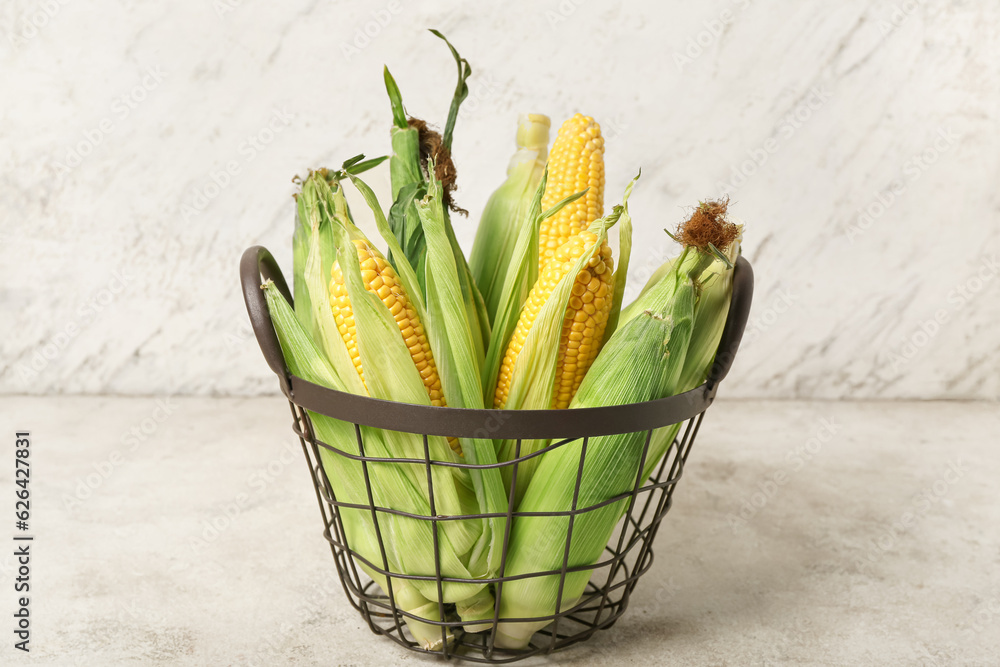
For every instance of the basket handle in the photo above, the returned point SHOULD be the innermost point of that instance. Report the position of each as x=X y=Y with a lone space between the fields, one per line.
x=257 y=263
x=736 y=321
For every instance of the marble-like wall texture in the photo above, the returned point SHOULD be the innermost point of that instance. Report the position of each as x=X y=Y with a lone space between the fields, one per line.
x=146 y=144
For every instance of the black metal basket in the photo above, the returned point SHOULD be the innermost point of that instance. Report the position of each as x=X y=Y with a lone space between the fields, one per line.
x=629 y=553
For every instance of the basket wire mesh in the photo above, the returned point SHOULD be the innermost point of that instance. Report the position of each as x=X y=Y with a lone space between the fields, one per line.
x=614 y=576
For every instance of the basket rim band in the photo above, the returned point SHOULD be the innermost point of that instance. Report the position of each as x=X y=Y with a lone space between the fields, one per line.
x=507 y=424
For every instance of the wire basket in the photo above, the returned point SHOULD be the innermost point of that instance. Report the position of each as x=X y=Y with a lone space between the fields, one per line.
x=627 y=556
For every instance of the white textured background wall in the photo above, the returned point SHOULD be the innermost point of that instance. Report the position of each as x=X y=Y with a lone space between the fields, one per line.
x=120 y=253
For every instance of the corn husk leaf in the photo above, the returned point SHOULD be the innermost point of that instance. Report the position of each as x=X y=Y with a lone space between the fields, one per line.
x=391 y=375
x=710 y=320
x=475 y=307
x=624 y=257
x=308 y=223
x=506 y=210
x=534 y=371
x=346 y=476
x=461 y=90
x=411 y=181
x=457 y=324
x=403 y=166
x=317 y=282
x=641 y=362
x=404 y=269
x=714 y=292
x=452 y=341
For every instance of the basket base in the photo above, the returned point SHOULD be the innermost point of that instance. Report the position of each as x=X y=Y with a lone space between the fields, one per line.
x=599 y=609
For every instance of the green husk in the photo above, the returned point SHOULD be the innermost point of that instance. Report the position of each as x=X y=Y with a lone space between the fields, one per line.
x=453 y=344
x=506 y=210
x=642 y=361
x=468 y=547
x=461 y=89
x=345 y=476
x=409 y=541
x=518 y=281
x=411 y=172
x=407 y=186
x=475 y=307
x=624 y=256
x=315 y=198
x=646 y=358
x=391 y=375
x=534 y=372
x=714 y=295
x=307 y=225
x=714 y=286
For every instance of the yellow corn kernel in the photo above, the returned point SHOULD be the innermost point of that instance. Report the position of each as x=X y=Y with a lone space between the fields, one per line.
x=576 y=162
x=583 y=323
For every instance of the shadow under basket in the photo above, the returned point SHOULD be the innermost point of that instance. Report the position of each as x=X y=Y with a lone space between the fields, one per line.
x=614 y=576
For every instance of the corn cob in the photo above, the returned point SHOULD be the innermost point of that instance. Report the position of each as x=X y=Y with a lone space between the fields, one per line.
x=308 y=224
x=646 y=358
x=708 y=224
x=576 y=163
x=583 y=322
x=391 y=374
x=455 y=338
x=380 y=278
x=642 y=361
x=560 y=330
x=391 y=486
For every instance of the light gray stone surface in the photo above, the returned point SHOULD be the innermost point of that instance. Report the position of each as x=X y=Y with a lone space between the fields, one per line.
x=128 y=571
x=857 y=139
